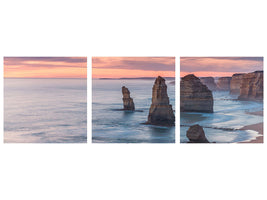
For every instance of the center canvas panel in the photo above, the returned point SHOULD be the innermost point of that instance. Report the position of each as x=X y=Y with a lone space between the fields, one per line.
x=133 y=100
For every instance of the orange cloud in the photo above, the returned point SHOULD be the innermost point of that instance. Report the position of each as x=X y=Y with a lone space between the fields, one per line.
x=206 y=74
x=219 y=66
x=45 y=67
x=130 y=67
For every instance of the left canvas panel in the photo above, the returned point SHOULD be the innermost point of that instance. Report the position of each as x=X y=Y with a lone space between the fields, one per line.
x=45 y=99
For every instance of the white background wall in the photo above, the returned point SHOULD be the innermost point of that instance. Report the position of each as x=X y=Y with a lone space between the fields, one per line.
x=132 y=171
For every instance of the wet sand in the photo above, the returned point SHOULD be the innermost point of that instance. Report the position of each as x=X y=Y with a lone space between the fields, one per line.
x=256 y=127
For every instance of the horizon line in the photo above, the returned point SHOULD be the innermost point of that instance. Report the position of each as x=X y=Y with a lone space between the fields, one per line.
x=137 y=77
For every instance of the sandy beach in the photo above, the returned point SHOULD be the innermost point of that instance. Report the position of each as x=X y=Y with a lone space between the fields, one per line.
x=256 y=127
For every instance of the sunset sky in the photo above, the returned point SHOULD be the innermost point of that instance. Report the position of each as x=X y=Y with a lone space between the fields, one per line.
x=45 y=67
x=130 y=67
x=219 y=66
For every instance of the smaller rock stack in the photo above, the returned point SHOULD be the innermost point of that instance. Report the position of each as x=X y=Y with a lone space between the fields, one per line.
x=224 y=83
x=128 y=103
x=196 y=134
x=194 y=95
x=160 y=112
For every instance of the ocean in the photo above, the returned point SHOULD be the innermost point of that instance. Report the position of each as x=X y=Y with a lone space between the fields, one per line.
x=45 y=110
x=229 y=115
x=112 y=125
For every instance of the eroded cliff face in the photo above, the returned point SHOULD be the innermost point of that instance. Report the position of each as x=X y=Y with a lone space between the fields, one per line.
x=252 y=86
x=235 y=83
x=224 y=83
x=209 y=82
x=195 y=96
x=160 y=112
x=128 y=103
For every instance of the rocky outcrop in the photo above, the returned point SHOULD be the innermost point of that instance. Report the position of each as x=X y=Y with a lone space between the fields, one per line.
x=235 y=83
x=196 y=134
x=195 y=96
x=128 y=103
x=252 y=86
x=209 y=82
x=224 y=83
x=160 y=112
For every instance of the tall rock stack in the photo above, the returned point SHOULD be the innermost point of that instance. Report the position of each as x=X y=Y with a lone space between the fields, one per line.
x=235 y=83
x=209 y=82
x=224 y=83
x=160 y=112
x=128 y=103
x=252 y=86
x=195 y=96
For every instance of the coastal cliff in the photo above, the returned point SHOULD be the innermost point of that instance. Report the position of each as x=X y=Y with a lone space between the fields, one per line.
x=128 y=103
x=235 y=83
x=160 y=112
x=195 y=96
x=252 y=86
x=209 y=82
x=224 y=83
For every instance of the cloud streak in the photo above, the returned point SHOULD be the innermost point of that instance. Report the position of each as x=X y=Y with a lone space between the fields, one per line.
x=135 y=63
x=221 y=64
x=74 y=67
x=32 y=62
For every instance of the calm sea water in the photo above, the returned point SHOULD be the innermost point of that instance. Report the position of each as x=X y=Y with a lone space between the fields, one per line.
x=45 y=110
x=112 y=126
x=228 y=114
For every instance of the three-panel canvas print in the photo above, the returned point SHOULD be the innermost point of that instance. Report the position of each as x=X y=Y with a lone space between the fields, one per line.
x=133 y=100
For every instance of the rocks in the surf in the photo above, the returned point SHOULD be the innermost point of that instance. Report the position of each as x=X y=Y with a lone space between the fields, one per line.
x=160 y=112
x=252 y=86
x=128 y=103
x=224 y=83
x=196 y=134
x=209 y=82
x=235 y=83
x=195 y=96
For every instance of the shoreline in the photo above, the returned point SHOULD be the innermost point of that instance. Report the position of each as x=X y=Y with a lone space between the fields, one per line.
x=255 y=127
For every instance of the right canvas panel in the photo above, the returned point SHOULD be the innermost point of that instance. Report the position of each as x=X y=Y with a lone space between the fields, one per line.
x=221 y=99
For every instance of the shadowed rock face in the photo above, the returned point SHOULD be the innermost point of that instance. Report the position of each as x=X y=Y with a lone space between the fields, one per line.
x=195 y=96
x=252 y=86
x=224 y=83
x=235 y=83
x=160 y=112
x=196 y=134
x=128 y=103
x=209 y=82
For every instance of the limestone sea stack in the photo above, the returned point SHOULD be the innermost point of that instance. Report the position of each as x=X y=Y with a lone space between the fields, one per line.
x=209 y=82
x=128 y=103
x=252 y=86
x=194 y=95
x=160 y=112
x=196 y=134
x=224 y=83
x=235 y=83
